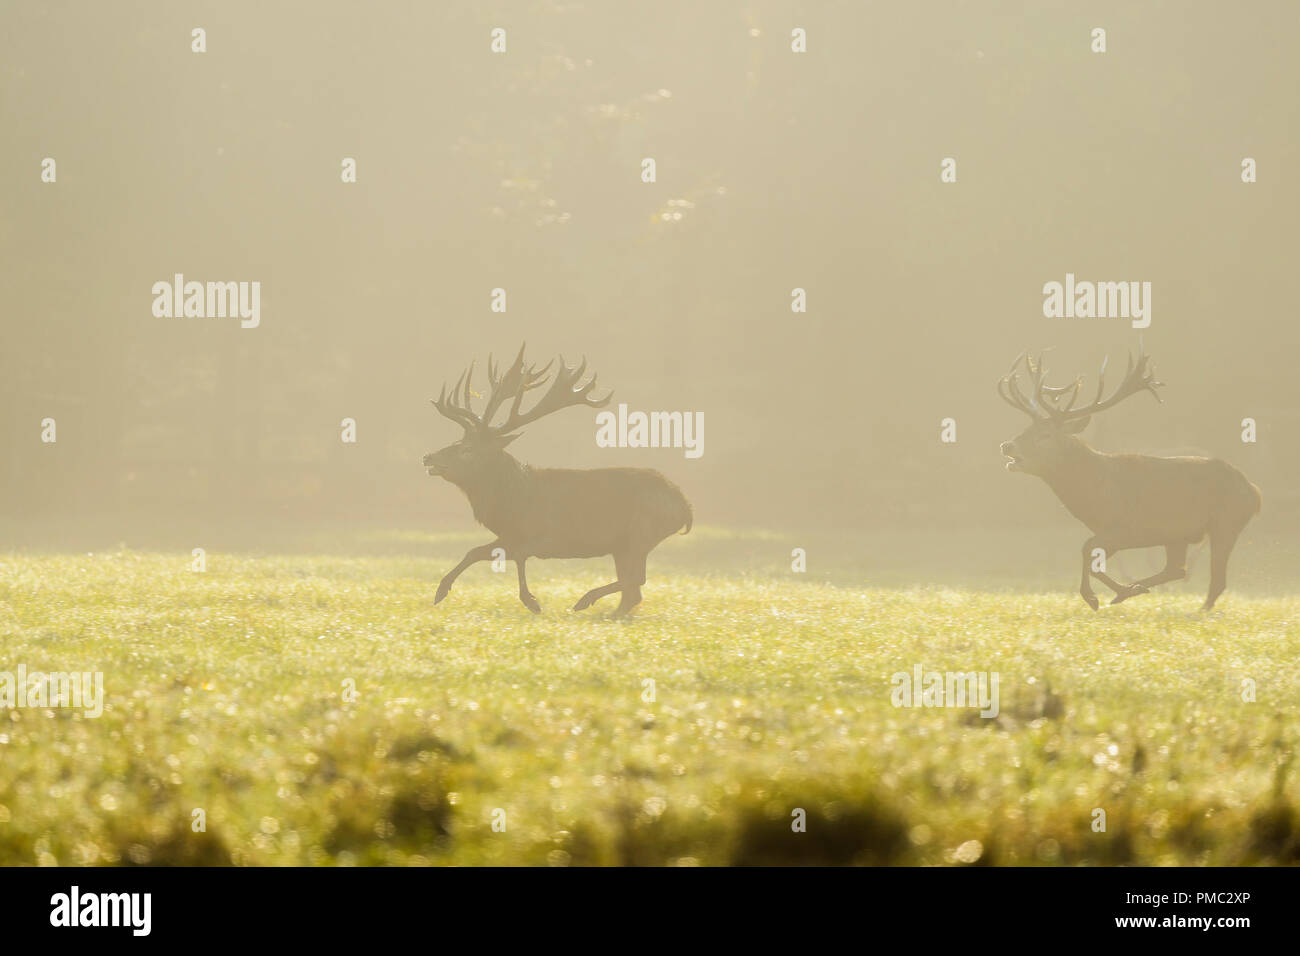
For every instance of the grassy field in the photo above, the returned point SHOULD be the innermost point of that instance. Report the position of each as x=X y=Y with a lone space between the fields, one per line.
x=225 y=692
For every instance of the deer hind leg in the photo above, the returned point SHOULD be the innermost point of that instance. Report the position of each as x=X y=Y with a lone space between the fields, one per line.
x=525 y=595
x=1175 y=568
x=473 y=556
x=1221 y=544
x=595 y=594
x=631 y=574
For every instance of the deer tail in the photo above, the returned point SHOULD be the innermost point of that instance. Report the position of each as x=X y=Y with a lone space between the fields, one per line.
x=690 y=517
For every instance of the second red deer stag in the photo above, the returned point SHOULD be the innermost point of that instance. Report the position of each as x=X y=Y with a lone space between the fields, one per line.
x=1127 y=501
x=550 y=512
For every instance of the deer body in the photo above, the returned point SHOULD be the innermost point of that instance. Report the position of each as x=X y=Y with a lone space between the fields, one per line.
x=553 y=512
x=1128 y=501
x=569 y=513
x=1160 y=500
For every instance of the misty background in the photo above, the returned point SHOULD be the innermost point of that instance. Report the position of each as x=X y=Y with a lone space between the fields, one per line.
x=522 y=171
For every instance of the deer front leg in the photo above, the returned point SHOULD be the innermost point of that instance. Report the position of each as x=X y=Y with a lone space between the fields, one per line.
x=1108 y=546
x=1085 y=586
x=473 y=556
x=525 y=595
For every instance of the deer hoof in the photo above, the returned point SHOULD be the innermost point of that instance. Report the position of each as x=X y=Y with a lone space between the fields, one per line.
x=1129 y=592
x=530 y=602
x=1092 y=600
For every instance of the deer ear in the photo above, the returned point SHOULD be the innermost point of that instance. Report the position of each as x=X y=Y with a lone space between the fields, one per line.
x=1078 y=424
x=504 y=440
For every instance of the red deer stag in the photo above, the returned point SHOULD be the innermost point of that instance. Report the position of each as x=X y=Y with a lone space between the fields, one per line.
x=551 y=512
x=1127 y=501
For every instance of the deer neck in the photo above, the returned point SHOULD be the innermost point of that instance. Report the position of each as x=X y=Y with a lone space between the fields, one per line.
x=495 y=492
x=1079 y=480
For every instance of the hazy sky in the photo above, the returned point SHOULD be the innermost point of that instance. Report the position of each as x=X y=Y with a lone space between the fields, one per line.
x=522 y=170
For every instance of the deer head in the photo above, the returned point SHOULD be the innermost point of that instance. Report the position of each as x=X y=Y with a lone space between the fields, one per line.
x=483 y=443
x=1050 y=441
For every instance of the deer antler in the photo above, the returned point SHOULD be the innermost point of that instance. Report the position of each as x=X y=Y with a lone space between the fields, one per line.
x=1049 y=403
x=567 y=388
x=458 y=409
x=511 y=386
x=1140 y=376
x=514 y=382
x=1009 y=387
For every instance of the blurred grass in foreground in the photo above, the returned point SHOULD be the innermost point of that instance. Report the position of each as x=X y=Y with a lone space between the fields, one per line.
x=772 y=692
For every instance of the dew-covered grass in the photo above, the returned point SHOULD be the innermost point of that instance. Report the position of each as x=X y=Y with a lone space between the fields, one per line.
x=483 y=734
